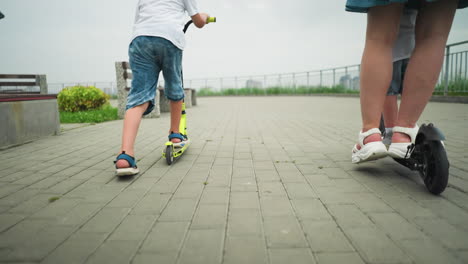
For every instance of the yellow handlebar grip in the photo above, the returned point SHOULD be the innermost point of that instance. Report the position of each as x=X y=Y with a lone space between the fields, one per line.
x=211 y=20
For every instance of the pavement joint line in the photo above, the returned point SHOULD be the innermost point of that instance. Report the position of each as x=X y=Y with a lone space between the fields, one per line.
x=162 y=210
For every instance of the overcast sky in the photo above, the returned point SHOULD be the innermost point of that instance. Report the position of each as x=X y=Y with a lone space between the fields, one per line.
x=79 y=41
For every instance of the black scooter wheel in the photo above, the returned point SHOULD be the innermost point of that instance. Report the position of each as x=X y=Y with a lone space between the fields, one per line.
x=169 y=156
x=435 y=170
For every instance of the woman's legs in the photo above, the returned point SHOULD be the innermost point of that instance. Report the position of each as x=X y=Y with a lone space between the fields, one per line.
x=390 y=112
x=383 y=23
x=432 y=28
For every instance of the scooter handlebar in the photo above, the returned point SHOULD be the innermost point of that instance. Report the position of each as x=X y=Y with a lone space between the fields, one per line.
x=211 y=20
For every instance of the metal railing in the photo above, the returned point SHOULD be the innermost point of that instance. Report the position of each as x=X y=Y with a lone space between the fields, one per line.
x=453 y=78
x=454 y=74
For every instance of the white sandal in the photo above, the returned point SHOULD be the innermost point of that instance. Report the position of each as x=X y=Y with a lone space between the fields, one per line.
x=369 y=151
x=402 y=150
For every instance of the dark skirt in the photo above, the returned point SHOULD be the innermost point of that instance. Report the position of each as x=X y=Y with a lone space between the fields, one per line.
x=362 y=6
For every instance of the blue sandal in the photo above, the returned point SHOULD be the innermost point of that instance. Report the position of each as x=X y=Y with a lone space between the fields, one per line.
x=180 y=136
x=132 y=170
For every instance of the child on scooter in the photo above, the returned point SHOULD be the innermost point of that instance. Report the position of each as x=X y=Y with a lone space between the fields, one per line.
x=402 y=50
x=157 y=45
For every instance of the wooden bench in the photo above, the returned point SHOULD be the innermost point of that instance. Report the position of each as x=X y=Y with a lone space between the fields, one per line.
x=124 y=77
x=23 y=80
x=26 y=115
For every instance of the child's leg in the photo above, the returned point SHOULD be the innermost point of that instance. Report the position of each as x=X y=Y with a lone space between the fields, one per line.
x=432 y=28
x=140 y=99
x=174 y=90
x=132 y=121
x=390 y=112
x=376 y=69
x=176 y=110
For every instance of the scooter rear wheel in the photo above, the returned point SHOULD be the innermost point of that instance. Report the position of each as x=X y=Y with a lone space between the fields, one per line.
x=169 y=155
x=435 y=167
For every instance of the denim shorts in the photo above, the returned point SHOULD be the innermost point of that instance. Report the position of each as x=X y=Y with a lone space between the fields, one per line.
x=148 y=57
x=399 y=69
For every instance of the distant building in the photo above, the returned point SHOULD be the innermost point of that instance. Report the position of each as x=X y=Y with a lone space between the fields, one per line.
x=346 y=81
x=355 y=84
x=253 y=84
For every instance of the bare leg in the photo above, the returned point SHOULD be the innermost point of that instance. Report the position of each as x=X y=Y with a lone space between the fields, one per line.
x=376 y=69
x=390 y=111
x=130 y=129
x=176 y=110
x=432 y=28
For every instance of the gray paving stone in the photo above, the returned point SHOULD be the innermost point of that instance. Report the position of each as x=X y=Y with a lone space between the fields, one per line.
x=427 y=251
x=276 y=206
x=291 y=255
x=332 y=195
x=272 y=189
x=245 y=222
x=326 y=236
x=37 y=247
x=449 y=212
x=127 y=198
x=336 y=257
x=299 y=190
x=203 y=246
x=349 y=216
x=76 y=249
x=375 y=247
x=310 y=209
x=451 y=236
x=396 y=226
x=190 y=190
x=243 y=185
x=133 y=228
x=210 y=216
x=16 y=197
x=284 y=232
x=56 y=209
x=151 y=258
x=9 y=220
x=179 y=210
x=319 y=180
x=370 y=203
x=152 y=203
x=248 y=250
x=79 y=215
x=114 y=252
x=165 y=238
x=215 y=195
x=244 y=200
x=106 y=220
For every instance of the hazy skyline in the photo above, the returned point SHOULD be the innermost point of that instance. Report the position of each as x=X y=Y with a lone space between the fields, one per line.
x=79 y=41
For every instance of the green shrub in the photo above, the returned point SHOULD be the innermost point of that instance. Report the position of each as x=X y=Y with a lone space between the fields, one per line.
x=80 y=98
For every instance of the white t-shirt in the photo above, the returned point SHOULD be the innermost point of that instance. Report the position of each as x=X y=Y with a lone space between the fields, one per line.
x=163 y=18
x=404 y=45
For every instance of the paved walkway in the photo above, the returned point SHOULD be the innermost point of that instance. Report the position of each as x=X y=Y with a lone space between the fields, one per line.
x=267 y=180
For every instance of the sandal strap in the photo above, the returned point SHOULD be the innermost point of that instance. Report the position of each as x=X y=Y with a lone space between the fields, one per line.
x=363 y=135
x=128 y=158
x=411 y=132
x=177 y=135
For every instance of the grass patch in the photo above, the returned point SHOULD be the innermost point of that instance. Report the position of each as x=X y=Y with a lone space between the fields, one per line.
x=277 y=91
x=455 y=88
x=106 y=113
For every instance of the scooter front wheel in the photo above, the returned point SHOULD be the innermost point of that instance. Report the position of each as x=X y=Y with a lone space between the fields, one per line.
x=435 y=167
x=169 y=155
